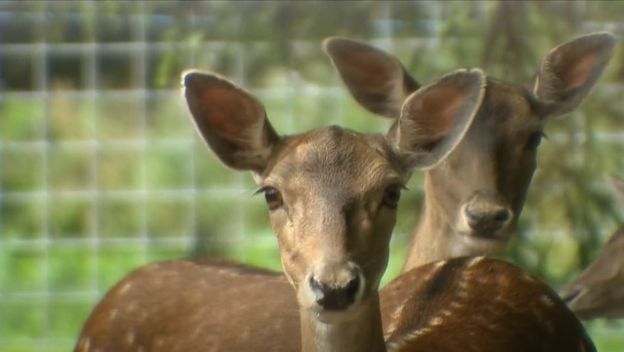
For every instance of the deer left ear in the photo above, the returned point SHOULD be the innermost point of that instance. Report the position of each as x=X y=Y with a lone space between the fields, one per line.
x=569 y=71
x=435 y=118
x=231 y=120
x=376 y=79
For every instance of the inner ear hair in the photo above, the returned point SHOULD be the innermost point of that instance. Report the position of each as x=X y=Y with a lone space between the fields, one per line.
x=435 y=118
x=377 y=80
x=569 y=71
x=231 y=120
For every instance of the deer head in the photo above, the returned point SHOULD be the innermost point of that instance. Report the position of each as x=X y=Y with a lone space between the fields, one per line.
x=332 y=193
x=473 y=198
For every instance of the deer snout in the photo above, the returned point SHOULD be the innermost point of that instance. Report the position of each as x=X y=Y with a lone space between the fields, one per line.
x=486 y=213
x=336 y=287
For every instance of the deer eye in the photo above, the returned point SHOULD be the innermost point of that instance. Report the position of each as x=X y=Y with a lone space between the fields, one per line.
x=272 y=196
x=534 y=140
x=392 y=195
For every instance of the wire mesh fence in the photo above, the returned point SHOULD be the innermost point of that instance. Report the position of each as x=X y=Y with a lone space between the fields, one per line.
x=101 y=170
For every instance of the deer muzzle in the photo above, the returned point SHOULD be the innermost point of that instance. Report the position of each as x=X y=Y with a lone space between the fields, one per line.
x=336 y=286
x=486 y=214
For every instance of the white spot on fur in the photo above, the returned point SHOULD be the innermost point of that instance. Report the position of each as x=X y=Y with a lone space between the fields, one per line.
x=130 y=338
x=482 y=279
x=112 y=314
x=131 y=307
x=447 y=312
x=407 y=338
x=528 y=278
x=463 y=284
x=159 y=342
x=474 y=261
x=436 y=321
x=398 y=312
x=432 y=273
x=547 y=300
x=414 y=335
x=392 y=326
x=84 y=344
x=124 y=288
x=456 y=304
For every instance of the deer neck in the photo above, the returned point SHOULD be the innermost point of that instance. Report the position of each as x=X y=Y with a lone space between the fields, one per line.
x=361 y=333
x=433 y=237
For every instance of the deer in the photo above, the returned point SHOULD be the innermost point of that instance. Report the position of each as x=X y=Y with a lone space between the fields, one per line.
x=473 y=199
x=598 y=291
x=332 y=195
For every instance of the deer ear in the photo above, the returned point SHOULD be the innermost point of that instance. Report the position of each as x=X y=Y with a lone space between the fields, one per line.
x=569 y=71
x=435 y=118
x=230 y=120
x=376 y=79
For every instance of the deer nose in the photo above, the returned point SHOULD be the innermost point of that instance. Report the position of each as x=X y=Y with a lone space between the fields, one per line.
x=487 y=213
x=335 y=296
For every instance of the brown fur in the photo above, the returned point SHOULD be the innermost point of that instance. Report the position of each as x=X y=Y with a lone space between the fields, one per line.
x=188 y=306
x=196 y=306
x=477 y=304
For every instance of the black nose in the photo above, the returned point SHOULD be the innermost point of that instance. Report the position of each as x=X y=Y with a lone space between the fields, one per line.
x=498 y=215
x=335 y=298
x=490 y=218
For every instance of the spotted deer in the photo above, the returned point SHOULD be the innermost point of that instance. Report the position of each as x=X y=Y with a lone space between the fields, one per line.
x=332 y=195
x=472 y=199
x=598 y=291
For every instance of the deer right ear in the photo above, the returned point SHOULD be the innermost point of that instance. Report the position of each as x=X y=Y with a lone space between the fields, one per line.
x=435 y=118
x=569 y=71
x=232 y=121
x=376 y=79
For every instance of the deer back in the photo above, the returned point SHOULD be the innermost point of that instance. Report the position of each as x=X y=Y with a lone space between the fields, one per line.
x=192 y=306
x=477 y=304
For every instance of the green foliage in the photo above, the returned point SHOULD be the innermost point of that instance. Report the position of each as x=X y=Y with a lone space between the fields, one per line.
x=22 y=269
x=21 y=120
x=22 y=170
x=22 y=219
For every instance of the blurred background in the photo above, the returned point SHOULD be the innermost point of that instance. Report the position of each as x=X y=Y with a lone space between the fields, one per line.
x=101 y=170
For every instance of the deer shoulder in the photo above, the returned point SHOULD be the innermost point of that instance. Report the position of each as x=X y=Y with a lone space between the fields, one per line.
x=477 y=304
